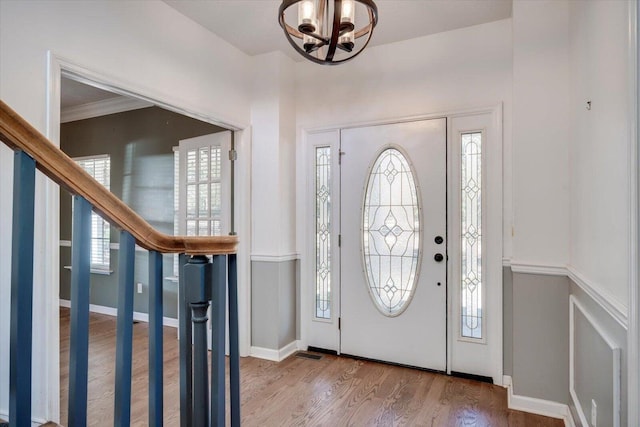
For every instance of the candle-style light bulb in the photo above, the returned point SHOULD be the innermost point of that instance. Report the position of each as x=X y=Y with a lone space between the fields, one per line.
x=307 y=16
x=347 y=16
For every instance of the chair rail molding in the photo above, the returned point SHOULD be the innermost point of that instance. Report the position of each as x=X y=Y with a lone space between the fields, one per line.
x=608 y=302
x=525 y=267
x=611 y=305
x=275 y=257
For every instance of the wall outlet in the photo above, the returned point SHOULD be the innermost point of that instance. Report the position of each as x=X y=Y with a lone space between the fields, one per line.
x=594 y=413
x=139 y=288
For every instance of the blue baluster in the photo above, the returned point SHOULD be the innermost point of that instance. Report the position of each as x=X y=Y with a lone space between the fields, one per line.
x=185 y=336
x=197 y=275
x=155 y=339
x=24 y=169
x=79 y=335
x=124 y=334
x=218 y=284
x=234 y=350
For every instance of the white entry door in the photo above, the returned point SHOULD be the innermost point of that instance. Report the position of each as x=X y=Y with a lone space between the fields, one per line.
x=393 y=243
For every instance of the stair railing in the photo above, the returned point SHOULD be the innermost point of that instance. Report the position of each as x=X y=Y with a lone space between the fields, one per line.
x=201 y=282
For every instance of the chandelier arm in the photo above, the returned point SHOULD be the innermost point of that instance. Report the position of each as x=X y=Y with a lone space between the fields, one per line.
x=373 y=10
x=335 y=30
x=316 y=36
x=362 y=32
x=349 y=58
x=322 y=10
x=303 y=53
x=373 y=20
x=293 y=32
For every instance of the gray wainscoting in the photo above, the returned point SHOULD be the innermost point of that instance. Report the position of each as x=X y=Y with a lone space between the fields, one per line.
x=273 y=303
x=541 y=337
x=595 y=333
x=537 y=340
x=507 y=315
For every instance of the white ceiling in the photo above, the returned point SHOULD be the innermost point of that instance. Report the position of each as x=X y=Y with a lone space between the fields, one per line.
x=252 y=25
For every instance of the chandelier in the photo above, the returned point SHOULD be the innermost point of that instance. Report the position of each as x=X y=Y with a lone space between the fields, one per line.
x=326 y=31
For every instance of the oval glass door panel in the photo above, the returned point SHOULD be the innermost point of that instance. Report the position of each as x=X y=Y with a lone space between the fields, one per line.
x=391 y=232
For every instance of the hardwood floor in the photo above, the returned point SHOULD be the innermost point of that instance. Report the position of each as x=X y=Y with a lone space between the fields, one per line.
x=332 y=391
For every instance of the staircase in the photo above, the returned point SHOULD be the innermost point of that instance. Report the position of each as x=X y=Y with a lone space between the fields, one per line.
x=208 y=270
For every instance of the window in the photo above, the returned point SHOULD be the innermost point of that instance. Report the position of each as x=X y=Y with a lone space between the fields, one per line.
x=99 y=167
x=204 y=204
x=391 y=232
x=471 y=235
x=323 y=232
x=198 y=181
x=176 y=204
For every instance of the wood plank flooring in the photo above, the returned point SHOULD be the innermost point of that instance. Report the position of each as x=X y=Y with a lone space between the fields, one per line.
x=332 y=391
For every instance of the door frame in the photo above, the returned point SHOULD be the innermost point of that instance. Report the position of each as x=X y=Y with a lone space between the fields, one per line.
x=57 y=67
x=493 y=226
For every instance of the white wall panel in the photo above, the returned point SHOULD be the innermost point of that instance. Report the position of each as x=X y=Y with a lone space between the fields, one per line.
x=540 y=132
x=600 y=230
x=273 y=178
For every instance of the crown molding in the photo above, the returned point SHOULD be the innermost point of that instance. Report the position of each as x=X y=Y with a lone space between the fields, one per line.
x=114 y=105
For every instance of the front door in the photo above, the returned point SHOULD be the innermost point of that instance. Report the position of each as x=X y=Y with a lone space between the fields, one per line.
x=393 y=266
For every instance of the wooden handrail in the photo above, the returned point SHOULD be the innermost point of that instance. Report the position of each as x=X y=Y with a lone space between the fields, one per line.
x=16 y=133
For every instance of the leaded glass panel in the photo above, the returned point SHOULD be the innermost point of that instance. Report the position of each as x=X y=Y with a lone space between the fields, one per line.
x=391 y=232
x=471 y=235
x=323 y=232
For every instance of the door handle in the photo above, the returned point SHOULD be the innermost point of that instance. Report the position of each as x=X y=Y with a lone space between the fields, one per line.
x=438 y=257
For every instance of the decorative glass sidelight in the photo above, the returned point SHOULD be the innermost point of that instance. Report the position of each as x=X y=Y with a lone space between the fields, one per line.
x=471 y=235
x=391 y=232
x=323 y=232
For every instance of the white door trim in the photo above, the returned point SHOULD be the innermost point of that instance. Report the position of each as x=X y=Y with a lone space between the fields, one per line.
x=305 y=213
x=633 y=332
x=489 y=350
x=58 y=66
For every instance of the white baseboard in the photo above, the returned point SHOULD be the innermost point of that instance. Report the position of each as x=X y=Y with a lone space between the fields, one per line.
x=537 y=406
x=111 y=311
x=274 y=355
